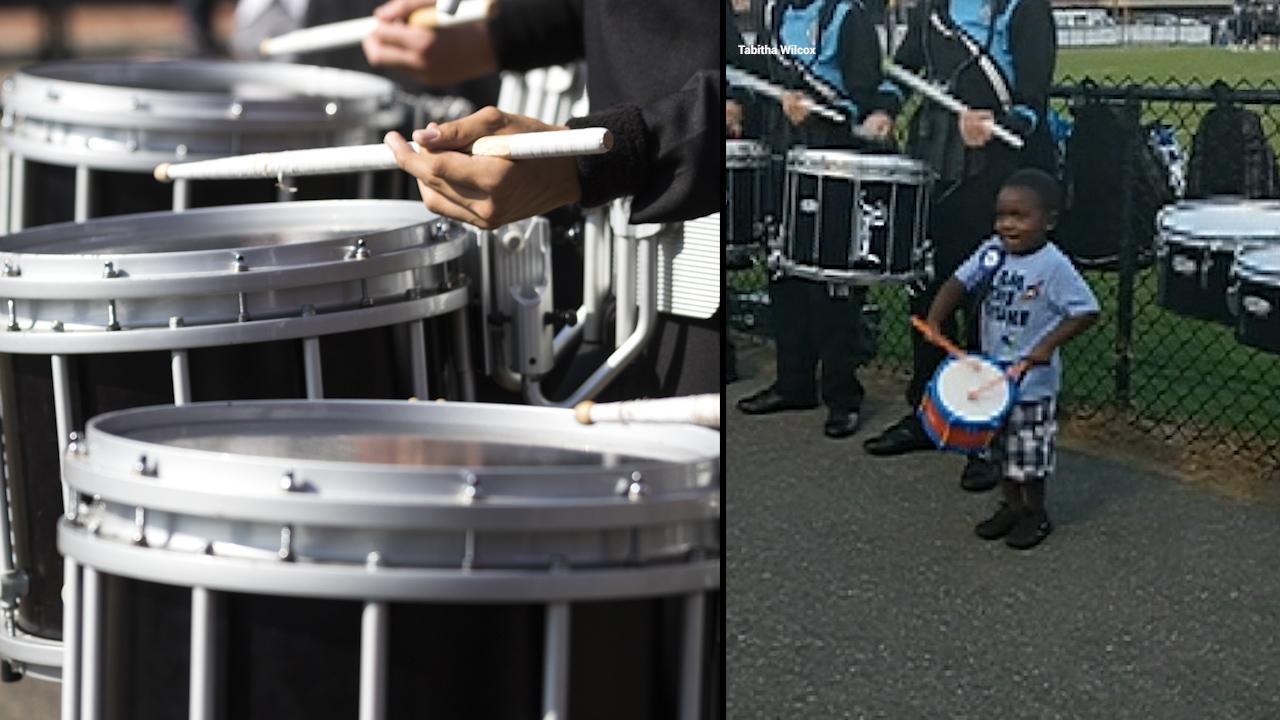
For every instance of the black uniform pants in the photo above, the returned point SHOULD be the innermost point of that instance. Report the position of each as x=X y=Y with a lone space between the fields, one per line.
x=812 y=326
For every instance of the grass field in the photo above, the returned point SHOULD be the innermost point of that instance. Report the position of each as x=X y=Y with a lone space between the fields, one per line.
x=1188 y=65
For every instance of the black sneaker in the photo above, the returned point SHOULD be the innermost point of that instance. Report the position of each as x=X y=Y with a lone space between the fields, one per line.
x=999 y=524
x=1029 y=532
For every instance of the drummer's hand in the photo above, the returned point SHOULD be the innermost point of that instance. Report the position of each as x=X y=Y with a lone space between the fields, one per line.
x=432 y=58
x=1018 y=369
x=878 y=125
x=976 y=127
x=485 y=191
x=795 y=106
x=733 y=118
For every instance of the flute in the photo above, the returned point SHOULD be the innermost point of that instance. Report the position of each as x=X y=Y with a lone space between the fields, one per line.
x=362 y=158
x=351 y=32
x=940 y=96
x=693 y=409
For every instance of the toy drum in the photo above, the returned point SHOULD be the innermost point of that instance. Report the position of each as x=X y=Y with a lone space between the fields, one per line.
x=1196 y=243
x=960 y=423
x=379 y=559
x=853 y=218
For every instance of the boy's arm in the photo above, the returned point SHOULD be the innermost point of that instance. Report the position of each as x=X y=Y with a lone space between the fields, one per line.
x=949 y=297
x=1042 y=353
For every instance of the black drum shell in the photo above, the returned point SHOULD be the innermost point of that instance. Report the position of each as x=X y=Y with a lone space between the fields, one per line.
x=283 y=657
x=1257 y=330
x=829 y=214
x=1200 y=293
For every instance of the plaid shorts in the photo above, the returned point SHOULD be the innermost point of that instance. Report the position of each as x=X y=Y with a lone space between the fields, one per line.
x=1024 y=448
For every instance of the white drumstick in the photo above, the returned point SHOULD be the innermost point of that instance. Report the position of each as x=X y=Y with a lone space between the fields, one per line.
x=744 y=79
x=940 y=96
x=448 y=6
x=361 y=158
x=352 y=32
x=693 y=409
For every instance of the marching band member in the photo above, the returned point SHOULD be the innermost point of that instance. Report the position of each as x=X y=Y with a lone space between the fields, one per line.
x=827 y=50
x=997 y=57
x=654 y=82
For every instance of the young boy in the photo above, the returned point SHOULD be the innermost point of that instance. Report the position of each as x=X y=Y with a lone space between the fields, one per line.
x=1032 y=302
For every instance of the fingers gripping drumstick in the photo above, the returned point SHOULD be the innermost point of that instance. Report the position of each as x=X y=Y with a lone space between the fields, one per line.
x=351 y=32
x=362 y=158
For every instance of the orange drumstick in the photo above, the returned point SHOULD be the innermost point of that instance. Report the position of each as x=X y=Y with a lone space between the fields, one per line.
x=937 y=338
x=1014 y=373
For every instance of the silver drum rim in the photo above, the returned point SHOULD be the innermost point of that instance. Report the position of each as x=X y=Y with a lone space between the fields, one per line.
x=63 y=113
x=745 y=154
x=665 y=499
x=389 y=261
x=852 y=165
x=1219 y=223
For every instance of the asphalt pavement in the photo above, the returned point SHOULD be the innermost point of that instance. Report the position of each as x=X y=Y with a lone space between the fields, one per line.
x=857 y=589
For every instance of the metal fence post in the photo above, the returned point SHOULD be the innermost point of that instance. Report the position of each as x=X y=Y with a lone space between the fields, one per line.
x=1131 y=120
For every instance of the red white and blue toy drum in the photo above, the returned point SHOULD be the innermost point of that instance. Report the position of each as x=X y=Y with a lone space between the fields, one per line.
x=954 y=420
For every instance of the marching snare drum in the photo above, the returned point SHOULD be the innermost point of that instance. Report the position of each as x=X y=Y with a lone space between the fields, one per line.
x=1196 y=242
x=218 y=303
x=853 y=218
x=954 y=420
x=1256 y=280
x=81 y=138
x=342 y=559
x=746 y=165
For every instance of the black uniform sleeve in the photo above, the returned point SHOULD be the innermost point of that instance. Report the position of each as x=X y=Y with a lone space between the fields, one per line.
x=859 y=65
x=666 y=154
x=530 y=34
x=1033 y=41
x=910 y=54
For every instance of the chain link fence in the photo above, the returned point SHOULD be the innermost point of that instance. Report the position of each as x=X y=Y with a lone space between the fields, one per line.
x=1180 y=380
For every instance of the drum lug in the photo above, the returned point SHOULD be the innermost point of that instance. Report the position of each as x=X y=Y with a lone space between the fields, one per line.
x=146 y=469
x=75 y=444
x=286 y=544
x=238 y=264
x=290 y=483
x=471 y=492
x=359 y=251
x=635 y=488
x=140 y=527
x=109 y=270
x=13 y=316
x=11 y=269
x=112 y=322
x=13 y=585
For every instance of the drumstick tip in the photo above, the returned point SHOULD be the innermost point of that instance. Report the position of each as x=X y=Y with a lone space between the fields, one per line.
x=162 y=172
x=582 y=411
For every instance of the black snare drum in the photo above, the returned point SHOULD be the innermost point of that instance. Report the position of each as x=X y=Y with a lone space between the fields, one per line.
x=746 y=170
x=1197 y=240
x=1257 y=278
x=853 y=218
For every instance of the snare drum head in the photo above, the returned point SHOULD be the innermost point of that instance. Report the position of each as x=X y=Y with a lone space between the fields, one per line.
x=956 y=379
x=1222 y=220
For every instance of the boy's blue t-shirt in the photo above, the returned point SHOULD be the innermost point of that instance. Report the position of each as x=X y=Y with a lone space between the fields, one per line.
x=1030 y=296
